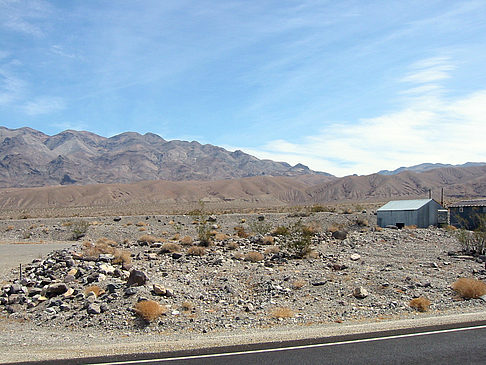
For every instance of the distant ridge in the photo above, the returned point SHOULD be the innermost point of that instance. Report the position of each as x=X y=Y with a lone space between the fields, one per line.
x=427 y=166
x=30 y=158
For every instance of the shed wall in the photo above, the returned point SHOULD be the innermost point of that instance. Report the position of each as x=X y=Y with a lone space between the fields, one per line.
x=423 y=217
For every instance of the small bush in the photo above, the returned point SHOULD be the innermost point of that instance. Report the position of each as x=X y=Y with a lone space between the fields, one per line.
x=170 y=247
x=232 y=245
x=122 y=257
x=79 y=229
x=253 y=256
x=149 y=310
x=187 y=240
x=196 y=251
x=146 y=238
x=421 y=304
x=272 y=250
x=469 y=288
x=268 y=240
x=95 y=289
x=281 y=312
x=281 y=231
x=297 y=284
x=240 y=232
x=220 y=237
x=140 y=224
x=260 y=227
x=362 y=222
x=187 y=306
x=9 y=228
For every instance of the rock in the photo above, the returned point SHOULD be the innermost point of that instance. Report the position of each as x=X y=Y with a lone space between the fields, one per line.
x=340 y=235
x=69 y=279
x=111 y=287
x=55 y=289
x=68 y=293
x=137 y=278
x=104 y=307
x=152 y=256
x=107 y=269
x=339 y=267
x=51 y=310
x=261 y=218
x=15 y=289
x=64 y=307
x=159 y=289
x=319 y=283
x=106 y=257
x=131 y=291
x=117 y=219
x=176 y=255
x=73 y=272
x=94 y=308
x=355 y=257
x=211 y=218
x=360 y=293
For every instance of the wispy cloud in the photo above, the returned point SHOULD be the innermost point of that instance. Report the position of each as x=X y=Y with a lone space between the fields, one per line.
x=11 y=87
x=22 y=16
x=425 y=129
x=44 y=105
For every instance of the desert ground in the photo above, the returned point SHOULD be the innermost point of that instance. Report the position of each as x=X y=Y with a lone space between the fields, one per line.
x=98 y=285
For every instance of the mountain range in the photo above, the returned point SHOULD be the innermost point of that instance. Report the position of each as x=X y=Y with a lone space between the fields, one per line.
x=30 y=158
x=82 y=169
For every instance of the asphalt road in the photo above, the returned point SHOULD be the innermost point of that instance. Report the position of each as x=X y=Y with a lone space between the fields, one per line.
x=457 y=344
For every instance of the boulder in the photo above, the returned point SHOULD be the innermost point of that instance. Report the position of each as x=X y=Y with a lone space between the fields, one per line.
x=360 y=293
x=55 y=289
x=340 y=235
x=137 y=278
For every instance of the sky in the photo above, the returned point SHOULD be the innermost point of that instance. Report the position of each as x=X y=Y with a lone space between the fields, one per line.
x=345 y=87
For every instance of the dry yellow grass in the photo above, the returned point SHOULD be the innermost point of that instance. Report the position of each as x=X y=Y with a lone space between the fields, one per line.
x=187 y=240
x=170 y=247
x=240 y=232
x=297 y=284
x=187 y=306
x=9 y=228
x=147 y=238
x=281 y=312
x=268 y=240
x=232 y=245
x=140 y=224
x=421 y=304
x=149 y=310
x=469 y=288
x=271 y=250
x=95 y=289
x=176 y=237
x=196 y=251
x=253 y=256
x=220 y=236
x=122 y=257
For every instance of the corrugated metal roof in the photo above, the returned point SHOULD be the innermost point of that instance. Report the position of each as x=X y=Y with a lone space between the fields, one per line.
x=469 y=203
x=405 y=204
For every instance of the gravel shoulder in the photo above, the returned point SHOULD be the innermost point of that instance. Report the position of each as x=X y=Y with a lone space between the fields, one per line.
x=360 y=282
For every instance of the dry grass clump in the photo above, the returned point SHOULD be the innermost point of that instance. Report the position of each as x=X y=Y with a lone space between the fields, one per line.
x=9 y=228
x=240 y=232
x=362 y=222
x=421 y=304
x=186 y=241
x=333 y=228
x=95 y=289
x=147 y=238
x=450 y=228
x=312 y=228
x=469 y=288
x=106 y=241
x=122 y=257
x=281 y=312
x=176 y=237
x=272 y=250
x=297 y=284
x=220 y=236
x=196 y=251
x=413 y=226
x=170 y=247
x=232 y=245
x=281 y=231
x=140 y=224
x=253 y=256
x=268 y=240
x=187 y=306
x=149 y=310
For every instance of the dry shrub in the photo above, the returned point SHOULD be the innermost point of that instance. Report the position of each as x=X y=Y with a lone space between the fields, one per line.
x=9 y=228
x=176 y=237
x=95 y=289
x=421 y=304
x=170 y=247
x=297 y=284
x=122 y=257
x=268 y=240
x=187 y=240
x=140 y=224
x=171 y=223
x=142 y=229
x=378 y=229
x=187 y=306
x=149 y=310
x=312 y=227
x=239 y=256
x=232 y=245
x=220 y=237
x=147 y=239
x=450 y=228
x=413 y=226
x=107 y=241
x=281 y=231
x=311 y=254
x=94 y=223
x=281 y=312
x=469 y=287
x=67 y=224
x=253 y=256
x=333 y=228
x=196 y=251
x=362 y=222
x=271 y=250
x=128 y=224
x=240 y=232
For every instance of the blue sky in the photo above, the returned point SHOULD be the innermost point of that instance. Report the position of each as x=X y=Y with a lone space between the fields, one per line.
x=341 y=86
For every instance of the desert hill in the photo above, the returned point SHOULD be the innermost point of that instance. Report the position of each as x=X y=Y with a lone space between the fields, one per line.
x=30 y=158
x=259 y=191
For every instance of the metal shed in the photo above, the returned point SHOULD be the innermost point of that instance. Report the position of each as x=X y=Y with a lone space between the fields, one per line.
x=468 y=213
x=419 y=212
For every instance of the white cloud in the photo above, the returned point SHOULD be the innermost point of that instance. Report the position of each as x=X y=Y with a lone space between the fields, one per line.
x=44 y=105
x=21 y=16
x=11 y=87
x=428 y=128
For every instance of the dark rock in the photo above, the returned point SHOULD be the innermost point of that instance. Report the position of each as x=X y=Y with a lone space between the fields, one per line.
x=116 y=219
x=176 y=255
x=137 y=278
x=131 y=291
x=55 y=289
x=212 y=218
x=319 y=283
x=340 y=235
x=261 y=218
x=94 y=308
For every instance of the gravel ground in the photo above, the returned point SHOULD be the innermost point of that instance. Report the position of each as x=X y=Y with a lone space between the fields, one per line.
x=368 y=276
